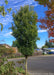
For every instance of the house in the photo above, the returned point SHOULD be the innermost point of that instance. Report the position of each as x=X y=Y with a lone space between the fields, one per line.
x=37 y=52
x=7 y=46
x=48 y=50
x=15 y=49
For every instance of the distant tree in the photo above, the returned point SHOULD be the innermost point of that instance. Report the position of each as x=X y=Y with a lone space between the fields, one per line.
x=48 y=21
x=14 y=44
x=46 y=42
x=49 y=44
x=25 y=31
x=44 y=46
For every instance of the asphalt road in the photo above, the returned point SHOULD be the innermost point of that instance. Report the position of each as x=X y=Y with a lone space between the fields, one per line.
x=39 y=64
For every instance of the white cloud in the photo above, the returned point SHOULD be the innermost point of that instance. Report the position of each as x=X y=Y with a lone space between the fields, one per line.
x=7 y=34
x=5 y=20
x=14 y=4
x=40 y=31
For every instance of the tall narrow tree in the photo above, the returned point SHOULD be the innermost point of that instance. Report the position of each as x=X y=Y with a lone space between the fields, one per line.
x=25 y=31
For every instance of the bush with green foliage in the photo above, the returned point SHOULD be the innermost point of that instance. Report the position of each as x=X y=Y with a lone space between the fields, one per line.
x=4 y=50
x=8 y=67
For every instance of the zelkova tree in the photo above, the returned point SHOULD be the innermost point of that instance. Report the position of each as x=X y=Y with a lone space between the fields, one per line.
x=25 y=31
x=48 y=21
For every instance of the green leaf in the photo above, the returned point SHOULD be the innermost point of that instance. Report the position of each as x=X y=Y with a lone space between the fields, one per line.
x=6 y=1
x=9 y=10
x=4 y=13
x=1 y=26
x=1 y=8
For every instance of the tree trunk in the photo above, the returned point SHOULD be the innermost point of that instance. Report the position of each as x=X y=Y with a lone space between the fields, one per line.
x=25 y=65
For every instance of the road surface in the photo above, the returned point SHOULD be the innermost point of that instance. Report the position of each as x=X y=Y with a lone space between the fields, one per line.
x=39 y=64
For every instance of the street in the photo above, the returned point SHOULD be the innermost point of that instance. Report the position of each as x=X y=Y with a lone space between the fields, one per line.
x=39 y=64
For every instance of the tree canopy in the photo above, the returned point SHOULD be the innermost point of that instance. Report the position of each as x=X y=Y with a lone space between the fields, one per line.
x=15 y=44
x=48 y=21
x=25 y=30
x=3 y=12
x=48 y=3
x=48 y=45
x=2 y=9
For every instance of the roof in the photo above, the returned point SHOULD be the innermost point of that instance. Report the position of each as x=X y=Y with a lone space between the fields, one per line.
x=37 y=49
x=15 y=49
x=49 y=48
x=5 y=45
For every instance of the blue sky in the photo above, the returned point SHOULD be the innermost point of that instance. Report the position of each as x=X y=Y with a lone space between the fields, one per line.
x=5 y=35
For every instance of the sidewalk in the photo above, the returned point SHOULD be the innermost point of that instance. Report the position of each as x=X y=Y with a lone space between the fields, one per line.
x=30 y=57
